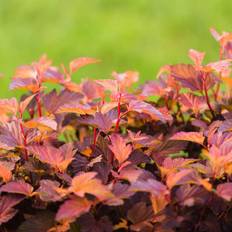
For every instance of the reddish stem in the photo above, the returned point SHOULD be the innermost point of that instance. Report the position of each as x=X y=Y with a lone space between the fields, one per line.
x=119 y=113
x=207 y=96
x=24 y=141
x=24 y=135
x=39 y=108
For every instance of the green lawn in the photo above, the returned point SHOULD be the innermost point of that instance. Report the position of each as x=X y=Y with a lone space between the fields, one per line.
x=140 y=35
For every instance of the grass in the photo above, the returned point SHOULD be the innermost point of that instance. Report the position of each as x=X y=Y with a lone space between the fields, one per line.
x=137 y=35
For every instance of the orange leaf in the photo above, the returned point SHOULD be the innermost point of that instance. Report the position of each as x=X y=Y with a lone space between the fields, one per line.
x=8 y=106
x=42 y=123
x=120 y=148
x=57 y=158
x=87 y=183
x=159 y=202
x=74 y=65
x=195 y=137
x=5 y=172
x=76 y=107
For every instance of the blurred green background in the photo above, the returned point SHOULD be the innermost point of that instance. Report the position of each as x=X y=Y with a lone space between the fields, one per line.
x=137 y=35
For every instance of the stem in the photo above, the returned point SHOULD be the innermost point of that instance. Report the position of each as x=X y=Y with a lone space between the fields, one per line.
x=207 y=96
x=24 y=139
x=24 y=135
x=37 y=97
x=119 y=113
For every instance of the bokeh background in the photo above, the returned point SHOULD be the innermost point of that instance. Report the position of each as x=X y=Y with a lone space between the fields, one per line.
x=137 y=35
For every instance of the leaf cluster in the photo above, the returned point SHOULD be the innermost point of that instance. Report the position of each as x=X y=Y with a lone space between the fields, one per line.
x=99 y=156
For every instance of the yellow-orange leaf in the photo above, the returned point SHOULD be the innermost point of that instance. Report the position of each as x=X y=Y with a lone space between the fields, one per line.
x=196 y=137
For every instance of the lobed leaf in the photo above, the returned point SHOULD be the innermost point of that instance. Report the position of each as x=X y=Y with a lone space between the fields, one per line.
x=120 y=148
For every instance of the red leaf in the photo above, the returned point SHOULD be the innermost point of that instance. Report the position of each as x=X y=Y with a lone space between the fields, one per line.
x=52 y=101
x=225 y=191
x=187 y=76
x=87 y=88
x=6 y=210
x=11 y=135
x=192 y=102
x=19 y=187
x=153 y=88
x=196 y=137
x=191 y=78
x=50 y=191
x=151 y=185
x=143 y=107
x=101 y=121
x=72 y=209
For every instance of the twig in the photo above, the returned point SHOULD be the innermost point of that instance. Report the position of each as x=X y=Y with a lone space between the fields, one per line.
x=119 y=112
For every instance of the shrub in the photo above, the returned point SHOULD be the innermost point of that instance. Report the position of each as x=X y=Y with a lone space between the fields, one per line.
x=97 y=156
